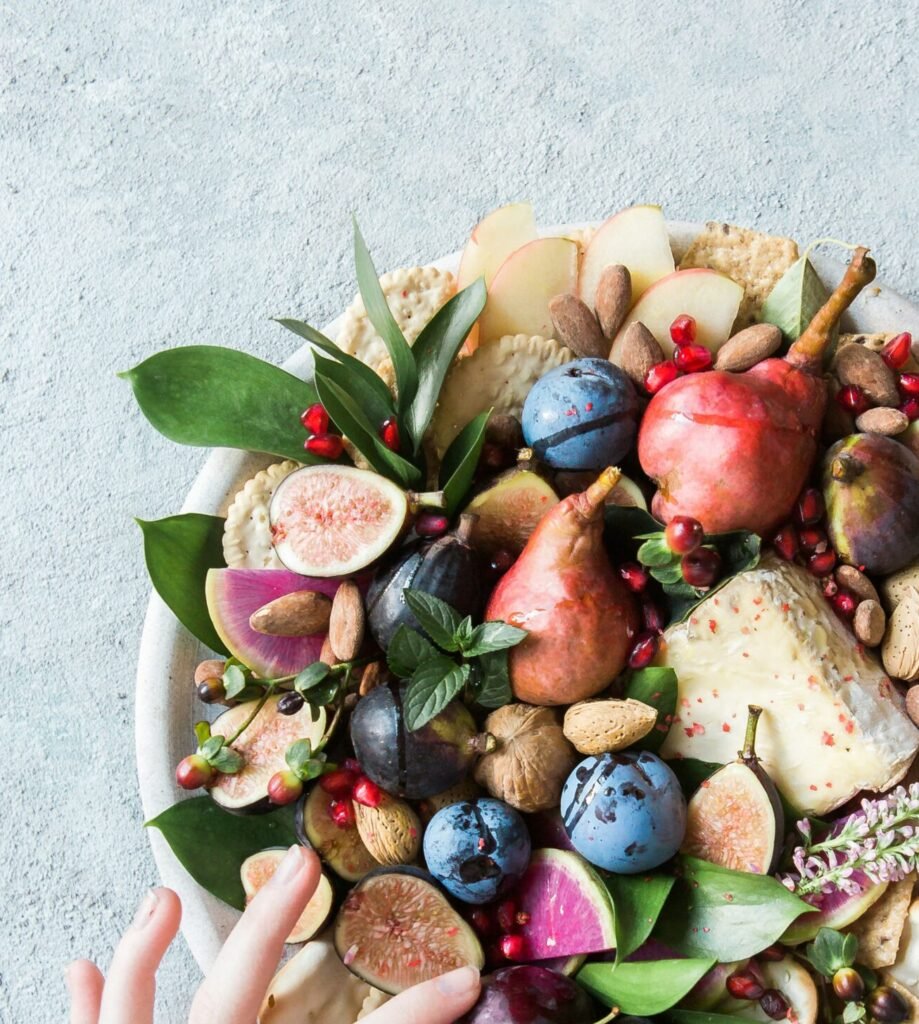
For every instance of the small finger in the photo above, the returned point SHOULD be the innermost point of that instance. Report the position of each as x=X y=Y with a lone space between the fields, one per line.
x=130 y=987
x=84 y=986
x=439 y=1001
x=233 y=990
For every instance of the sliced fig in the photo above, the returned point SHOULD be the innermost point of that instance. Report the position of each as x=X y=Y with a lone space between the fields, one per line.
x=794 y=983
x=263 y=747
x=258 y=869
x=835 y=909
x=510 y=508
x=340 y=846
x=396 y=929
x=735 y=818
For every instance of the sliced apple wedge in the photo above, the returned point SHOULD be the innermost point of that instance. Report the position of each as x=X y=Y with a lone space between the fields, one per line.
x=636 y=238
x=711 y=299
x=518 y=299
x=492 y=240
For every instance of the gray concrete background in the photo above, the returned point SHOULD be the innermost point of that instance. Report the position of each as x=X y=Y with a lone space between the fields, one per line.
x=179 y=171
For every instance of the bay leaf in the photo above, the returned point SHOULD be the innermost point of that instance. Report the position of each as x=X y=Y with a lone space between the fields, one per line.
x=795 y=299
x=643 y=988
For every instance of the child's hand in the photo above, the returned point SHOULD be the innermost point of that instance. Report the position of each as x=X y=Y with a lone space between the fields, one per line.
x=235 y=986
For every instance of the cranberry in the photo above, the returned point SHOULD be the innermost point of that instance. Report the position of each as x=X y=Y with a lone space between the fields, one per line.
x=911 y=408
x=744 y=985
x=886 y=1006
x=211 y=690
x=774 y=1004
x=683 y=534
x=785 y=543
x=339 y=783
x=644 y=650
x=193 y=772
x=315 y=419
x=810 y=508
x=506 y=914
x=812 y=538
x=431 y=524
x=652 y=618
x=683 y=330
x=701 y=567
x=511 y=946
x=328 y=446
x=659 y=376
x=389 y=434
x=692 y=358
x=848 y=985
x=853 y=399
x=909 y=383
x=342 y=813
x=500 y=562
x=290 y=703
x=897 y=351
x=367 y=792
x=636 y=577
x=822 y=563
x=284 y=787
x=844 y=604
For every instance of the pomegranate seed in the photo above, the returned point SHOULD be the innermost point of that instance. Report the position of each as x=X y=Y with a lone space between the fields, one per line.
x=481 y=921
x=810 y=507
x=853 y=399
x=822 y=563
x=652 y=618
x=659 y=376
x=774 y=1004
x=813 y=539
x=701 y=567
x=909 y=383
x=911 y=408
x=506 y=915
x=644 y=650
x=431 y=524
x=897 y=351
x=329 y=446
x=830 y=587
x=367 y=792
x=692 y=358
x=785 y=543
x=284 y=787
x=315 y=419
x=772 y=954
x=511 y=946
x=339 y=783
x=342 y=813
x=743 y=985
x=684 y=534
x=683 y=330
x=636 y=577
x=389 y=434
x=844 y=604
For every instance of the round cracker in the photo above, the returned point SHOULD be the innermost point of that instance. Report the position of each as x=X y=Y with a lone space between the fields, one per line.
x=247 y=531
x=498 y=375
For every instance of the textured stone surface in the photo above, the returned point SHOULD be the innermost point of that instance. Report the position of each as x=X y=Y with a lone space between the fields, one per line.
x=180 y=171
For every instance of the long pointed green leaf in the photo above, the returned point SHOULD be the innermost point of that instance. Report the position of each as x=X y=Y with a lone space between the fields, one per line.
x=384 y=323
x=643 y=988
x=460 y=461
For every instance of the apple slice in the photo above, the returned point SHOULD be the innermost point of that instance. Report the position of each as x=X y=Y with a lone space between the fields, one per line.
x=637 y=238
x=518 y=299
x=492 y=240
x=711 y=299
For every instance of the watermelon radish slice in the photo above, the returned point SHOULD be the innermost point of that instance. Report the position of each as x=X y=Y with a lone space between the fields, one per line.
x=569 y=907
x=835 y=909
x=234 y=594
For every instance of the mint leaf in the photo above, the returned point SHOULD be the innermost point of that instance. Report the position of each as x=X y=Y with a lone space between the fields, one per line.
x=436 y=617
x=434 y=684
x=494 y=689
x=311 y=676
x=298 y=754
x=407 y=650
x=460 y=461
x=234 y=681
x=832 y=950
x=493 y=636
x=463 y=635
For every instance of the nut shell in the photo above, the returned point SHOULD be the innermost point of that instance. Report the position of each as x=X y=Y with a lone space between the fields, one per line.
x=870 y=623
x=900 y=650
x=391 y=831
x=532 y=758
x=605 y=726
x=896 y=587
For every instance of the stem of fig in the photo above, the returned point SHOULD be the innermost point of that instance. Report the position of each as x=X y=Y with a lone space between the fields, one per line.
x=591 y=501
x=465 y=527
x=846 y=468
x=807 y=352
x=749 y=744
x=427 y=499
x=612 y=1015
x=484 y=743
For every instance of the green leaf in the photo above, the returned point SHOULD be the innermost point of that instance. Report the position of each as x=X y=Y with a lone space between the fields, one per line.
x=494 y=689
x=463 y=636
x=670 y=575
x=178 y=551
x=852 y=1012
x=434 y=684
x=311 y=676
x=324 y=693
x=216 y=397
x=655 y=553
x=493 y=636
x=298 y=754
x=212 y=844
x=739 y=550
x=380 y=315
x=211 y=747
x=832 y=950
x=435 y=617
x=436 y=348
x=692 y=772
x=795 y=300
x=407 y=650
x=227 y=761
x=725 y=914
x=202 y=732
x=638 y=901
x=643 y=988
x=460 y=461
x=234 y=681
x=658 y=688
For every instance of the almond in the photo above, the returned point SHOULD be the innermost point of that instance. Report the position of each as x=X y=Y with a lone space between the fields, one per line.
x=605 y=726
x=858 y=365
x=301 y=613
x=851 y=579
x=748 y=347
x=882 y=420
x=327 y=655
x=870 y=623
x=391 y=831
x=576 y=327
x=640 y=351
x=900 y=651
x=371 y=677
x=613 y=299
x=347 y=622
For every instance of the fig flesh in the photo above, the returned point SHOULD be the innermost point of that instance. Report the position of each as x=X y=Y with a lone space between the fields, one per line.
x=257 y=870
x=530 y=995
x=735 y=819
x=340 y=846
x=396 y=929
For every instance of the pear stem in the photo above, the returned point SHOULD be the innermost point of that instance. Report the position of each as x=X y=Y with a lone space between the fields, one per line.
x=807 y=352
x=595 y=495
x=749 y=744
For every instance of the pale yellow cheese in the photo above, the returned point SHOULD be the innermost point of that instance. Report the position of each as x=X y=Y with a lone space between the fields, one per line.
x=833 y=724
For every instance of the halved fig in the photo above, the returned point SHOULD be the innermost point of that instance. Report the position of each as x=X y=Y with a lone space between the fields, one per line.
x=263 y=746
x=509 y=509
x=396 y=929
x=795 y=984
x=340 y=846
x=256 y=872
x=735 y=818
x=333 y=520
x=835 y=909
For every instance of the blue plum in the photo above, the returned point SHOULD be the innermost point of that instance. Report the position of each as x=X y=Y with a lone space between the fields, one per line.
x=624 y=812
x=582 y=415
x=477 y=849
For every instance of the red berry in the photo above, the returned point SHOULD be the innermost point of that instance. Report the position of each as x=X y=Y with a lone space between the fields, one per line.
x=822 y=563
x=909 y=383
x=342 y=813
x=315 y=419
x=897 y=351
x=911 y=408
x=774 y=1004
x=328 y=446
x=284 y=787
x=652 y=618
x=813 y=539
x=367 y=792
x=692 y=358
x=844 y=604
x=506 y=915
x=481 y=921
x=431 y=524
x=644 y=650
x=701 y=568
x=511 y=946
x=636 y=577
x=683 y=330
x=350 y=764
x=810 y=507
x=339 y=783
x=853 y=399
x=830 y=587
x=659 y=376
x=744 y=985
x=684 y=534
x=193 y=772
x=389 y=434
x=785 y=543
x=849 y=985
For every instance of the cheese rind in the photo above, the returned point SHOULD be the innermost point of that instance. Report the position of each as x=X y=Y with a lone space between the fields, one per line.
x=833 y=723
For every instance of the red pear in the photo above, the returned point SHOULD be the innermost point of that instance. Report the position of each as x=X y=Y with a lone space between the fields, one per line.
x=562 y=589
x=734 y=450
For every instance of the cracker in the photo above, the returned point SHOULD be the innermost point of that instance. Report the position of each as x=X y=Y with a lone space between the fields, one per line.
x=904 y=973
x=880 y=928
x=499 y=375
x=414 y=295
x=247 y=532
x=754 y=260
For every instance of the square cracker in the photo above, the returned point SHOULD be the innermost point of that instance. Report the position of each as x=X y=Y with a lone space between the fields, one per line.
x=754 y=260
x=880 y=929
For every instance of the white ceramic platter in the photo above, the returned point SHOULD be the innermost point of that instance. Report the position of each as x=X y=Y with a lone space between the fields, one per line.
x=166 y=708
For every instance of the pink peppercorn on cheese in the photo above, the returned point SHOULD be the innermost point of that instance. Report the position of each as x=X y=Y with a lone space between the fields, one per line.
x=833 y=722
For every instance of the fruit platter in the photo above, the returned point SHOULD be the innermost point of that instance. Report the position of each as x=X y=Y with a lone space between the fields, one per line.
x=563 y=596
